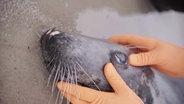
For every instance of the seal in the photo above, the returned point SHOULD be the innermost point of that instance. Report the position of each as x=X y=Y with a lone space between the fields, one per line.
x=79 y=59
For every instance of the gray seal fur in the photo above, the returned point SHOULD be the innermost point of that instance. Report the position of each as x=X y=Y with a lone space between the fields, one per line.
x=79 y=59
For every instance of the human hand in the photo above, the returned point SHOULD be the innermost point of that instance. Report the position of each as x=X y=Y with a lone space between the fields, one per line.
x=82 y=95
x=163 y=56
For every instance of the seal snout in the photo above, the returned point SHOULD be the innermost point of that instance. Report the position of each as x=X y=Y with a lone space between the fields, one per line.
x=52 y=32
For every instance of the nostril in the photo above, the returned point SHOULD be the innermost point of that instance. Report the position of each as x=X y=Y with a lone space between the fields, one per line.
x=49 y=31
x=50 y=35
x=54 y=33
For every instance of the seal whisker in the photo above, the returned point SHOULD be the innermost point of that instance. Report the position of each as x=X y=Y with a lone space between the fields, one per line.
x=68 y=81
x=76 y=81
x=68 y=77
x=57 y=97
x=58 y=77
x=55 y=78
x=75 y=71
x=87 y=75
x=62 y=78
x=53 y=57
x=61 y=98
x=50 y=75
x=71 y=78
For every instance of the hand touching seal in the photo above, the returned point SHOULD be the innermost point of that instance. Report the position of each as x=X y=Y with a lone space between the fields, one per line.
x=163 y=56
x=82 y=95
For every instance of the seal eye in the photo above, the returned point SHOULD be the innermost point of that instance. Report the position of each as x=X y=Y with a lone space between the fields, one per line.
x=119 y=59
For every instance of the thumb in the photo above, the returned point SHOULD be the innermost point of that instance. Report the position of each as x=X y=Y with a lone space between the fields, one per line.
x=115 y=79
x=141 y=59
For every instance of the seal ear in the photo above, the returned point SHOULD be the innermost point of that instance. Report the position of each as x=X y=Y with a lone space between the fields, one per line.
x=50 y=30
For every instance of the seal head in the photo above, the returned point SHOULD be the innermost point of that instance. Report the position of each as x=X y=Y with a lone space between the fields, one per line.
x=79 y=59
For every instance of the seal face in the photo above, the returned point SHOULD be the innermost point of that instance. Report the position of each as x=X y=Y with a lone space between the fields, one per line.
x=79 y=59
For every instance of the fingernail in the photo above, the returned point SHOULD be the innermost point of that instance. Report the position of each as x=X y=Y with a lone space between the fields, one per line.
x=109 y=65
x=131 y=58
x=59 y=85
x=62 y=86
x=109 y=68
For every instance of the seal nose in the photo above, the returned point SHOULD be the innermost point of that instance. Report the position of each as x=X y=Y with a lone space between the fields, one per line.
x=45 y=39
x=49 y=31
x=52 y=32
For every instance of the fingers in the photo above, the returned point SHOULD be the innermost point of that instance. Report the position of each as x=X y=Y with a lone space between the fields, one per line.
x=146 y=58
x=135 y=40
x=141 y=59
x=73 y=99
x=83 y=93
x=114 y=79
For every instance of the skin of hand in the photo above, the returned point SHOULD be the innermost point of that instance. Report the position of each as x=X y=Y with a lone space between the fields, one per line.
x=82 y=95
x=165 y=57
